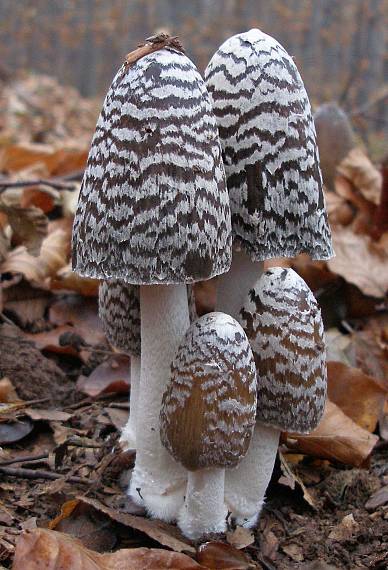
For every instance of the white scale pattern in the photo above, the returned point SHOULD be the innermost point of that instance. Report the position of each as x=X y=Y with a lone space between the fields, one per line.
x=153 y=207
x=269 y=149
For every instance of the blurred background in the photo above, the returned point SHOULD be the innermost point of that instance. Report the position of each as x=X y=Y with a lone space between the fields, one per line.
x=339 y=47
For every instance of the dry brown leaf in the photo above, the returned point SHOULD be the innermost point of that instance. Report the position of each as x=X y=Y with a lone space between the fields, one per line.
x=294 y=551
x=82 y=314
x=163 y=533
x=14 y=158
x=240 y=537
x=110 y=376
x=29 y=226
x=53 y=256
x=290 y=479
x=54 y=550
x=47 y=415
x=66 y=279
x=338 y=209
x=337 y=438
x=357 y=394
x=358 y=168
x=360 y=262
x=345 y=529
x=42 y=199
x=7 y=391
x=219 y=555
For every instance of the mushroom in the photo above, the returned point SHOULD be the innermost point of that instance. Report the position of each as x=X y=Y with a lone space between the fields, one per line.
x=119 y=311
x=154 y=211
x=283 y=323
x=208 y=414
x=271 y=160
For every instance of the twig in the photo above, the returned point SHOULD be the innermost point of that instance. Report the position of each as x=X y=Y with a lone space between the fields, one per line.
x=40 y=474
x=25 y=459
x=56 y=184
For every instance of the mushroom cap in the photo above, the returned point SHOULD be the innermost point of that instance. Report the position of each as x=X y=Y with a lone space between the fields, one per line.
x=153 y=206
x=283 y=323
x=208 y=409
x=335 y=137
x=269 y=148
x=119 y=311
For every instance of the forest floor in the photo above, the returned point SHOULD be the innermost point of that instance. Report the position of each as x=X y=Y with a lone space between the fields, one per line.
x=64 y=390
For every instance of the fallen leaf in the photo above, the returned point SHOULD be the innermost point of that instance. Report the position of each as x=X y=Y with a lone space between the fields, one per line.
x=345 y=529
x=82 y=314
x=113 y=375
x=358 y=168
x=360 y=261
x=44 y=199
x=118 y=417
x=294 y=551
x=290 y=479
x=14 y=158
x=269 y=545
x=219 y=555
x=240 y=537
x=357 y=394
x=337 y=438
x=66 y=279
x=29 y=226
x=54 y=550
x=7 y=391
x=53 y=254
x=163 y=533
x=378 y=499
x=47 y=415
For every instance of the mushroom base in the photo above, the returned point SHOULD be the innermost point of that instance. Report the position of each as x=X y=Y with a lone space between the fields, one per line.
x=128 y=435
x=246 y=484
x=204 y=510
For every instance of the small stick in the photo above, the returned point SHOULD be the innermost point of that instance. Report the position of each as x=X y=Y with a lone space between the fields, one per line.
x=25 y=459
x=40 y=474
x=56 y=184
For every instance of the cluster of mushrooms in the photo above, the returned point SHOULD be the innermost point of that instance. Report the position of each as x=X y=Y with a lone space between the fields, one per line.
x=188 y=179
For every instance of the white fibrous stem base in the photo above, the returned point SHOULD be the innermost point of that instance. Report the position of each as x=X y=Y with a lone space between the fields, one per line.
x=128 y=435
x=158 y=481
x=234 y=286
x=204 y=510
x=246 y=484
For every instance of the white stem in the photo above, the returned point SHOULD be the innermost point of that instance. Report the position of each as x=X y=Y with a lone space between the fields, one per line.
x=128 y=435
x=158 y=482
x=204 y=510
x=246 y=484
x=234 y=286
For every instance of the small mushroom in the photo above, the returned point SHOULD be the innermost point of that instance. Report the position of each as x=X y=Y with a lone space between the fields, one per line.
x=283 y=323
x=119 y=311
x=208 y=414
x=154 y=211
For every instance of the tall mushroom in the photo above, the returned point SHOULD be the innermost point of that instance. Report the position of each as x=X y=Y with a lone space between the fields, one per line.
x=154 y=211
x=271 y=160
x=119 y=311
x=208 y=414
x=283 y=323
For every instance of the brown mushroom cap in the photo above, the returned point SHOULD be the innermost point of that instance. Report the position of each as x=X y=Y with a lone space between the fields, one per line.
x=119 y=311
x=208 y=409
x=284 y=326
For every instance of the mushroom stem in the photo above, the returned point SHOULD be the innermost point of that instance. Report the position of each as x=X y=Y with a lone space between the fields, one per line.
x=234 y=286
x=158 y=481
x=204 y=510
x=128 y=435
x=246 y=484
